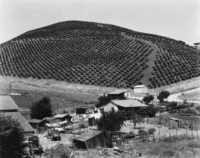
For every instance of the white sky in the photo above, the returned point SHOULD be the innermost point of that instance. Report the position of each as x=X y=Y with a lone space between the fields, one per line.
x=178 y=19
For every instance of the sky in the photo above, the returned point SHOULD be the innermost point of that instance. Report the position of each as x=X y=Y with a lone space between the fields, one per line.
x=177 y=19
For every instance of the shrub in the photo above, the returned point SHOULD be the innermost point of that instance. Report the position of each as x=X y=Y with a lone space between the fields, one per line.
x=58 y=151
x=41 y=109
x=172 y=105
x=149 y=111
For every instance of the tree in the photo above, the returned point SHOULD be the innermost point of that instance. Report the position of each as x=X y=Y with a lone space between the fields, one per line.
x=149 y=111
x=147 y=99
x=103 y=100
x=11 y=138
x=163 y=95
x=41 y=109
x=111 y=121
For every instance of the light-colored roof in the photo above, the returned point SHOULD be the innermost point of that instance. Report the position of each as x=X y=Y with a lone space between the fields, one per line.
x=7 y=103
x=35 y=121
x=25 y=126
x=60 y=115
x=118 y=91
x=139 y=86
x=88 y=135
x=128 y=103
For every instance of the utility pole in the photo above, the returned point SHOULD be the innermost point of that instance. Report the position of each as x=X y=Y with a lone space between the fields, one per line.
x=10 y=88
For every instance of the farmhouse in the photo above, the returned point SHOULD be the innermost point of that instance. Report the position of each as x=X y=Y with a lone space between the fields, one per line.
x=8 y=108
x=127 y=104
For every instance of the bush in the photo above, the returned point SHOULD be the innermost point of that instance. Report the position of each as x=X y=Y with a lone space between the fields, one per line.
x=11 y=139
x=111 y=121
x=41 y=109
x=171 y=106
x=163 y=95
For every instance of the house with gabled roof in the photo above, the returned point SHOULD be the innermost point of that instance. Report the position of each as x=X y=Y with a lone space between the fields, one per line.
x=127 y=104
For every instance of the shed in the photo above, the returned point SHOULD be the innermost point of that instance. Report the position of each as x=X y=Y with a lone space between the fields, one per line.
x=140 y=89
x=37 y=124
x=93 y=139
x=118 y=94
x=7 y=104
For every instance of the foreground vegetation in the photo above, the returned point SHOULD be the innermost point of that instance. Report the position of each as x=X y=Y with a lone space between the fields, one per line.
x=11 y=139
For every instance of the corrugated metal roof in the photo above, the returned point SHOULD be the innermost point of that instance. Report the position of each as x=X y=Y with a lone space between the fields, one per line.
x=128 y=103
x=7 y=103
x=88 y=135
x=26 y=127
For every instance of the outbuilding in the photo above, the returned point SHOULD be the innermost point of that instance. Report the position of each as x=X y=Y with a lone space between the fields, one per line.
x=118 y=94
x=93 y=139
x=140 y=89
x=37 y=124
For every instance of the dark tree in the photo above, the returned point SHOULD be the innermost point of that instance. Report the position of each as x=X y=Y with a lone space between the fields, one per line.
x=111 y=121
x=41 y=109
x=103 y=100
x=163 y=95
x=148 y=111
x=147 y=99
x=11 y=139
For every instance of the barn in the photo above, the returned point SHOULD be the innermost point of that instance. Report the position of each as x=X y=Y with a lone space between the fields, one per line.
x=8 y=108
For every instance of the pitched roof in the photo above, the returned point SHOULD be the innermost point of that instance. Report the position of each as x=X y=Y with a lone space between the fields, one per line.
x=60 y=115
x=118 y=91
x=7 y=103
x=128 y=103
x=25 y=126
x=88 y=135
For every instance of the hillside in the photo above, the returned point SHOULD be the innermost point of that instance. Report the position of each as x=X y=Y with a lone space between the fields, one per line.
x=98 y=54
